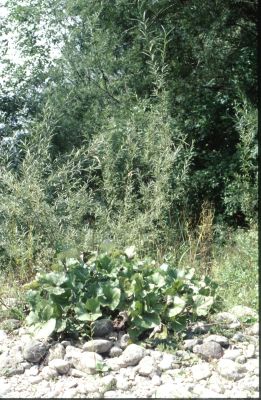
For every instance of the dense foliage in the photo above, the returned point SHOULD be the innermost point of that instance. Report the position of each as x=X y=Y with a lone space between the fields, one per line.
x=121 y=120
x=75 y=294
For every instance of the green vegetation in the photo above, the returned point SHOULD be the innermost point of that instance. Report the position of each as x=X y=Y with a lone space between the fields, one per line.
x=69 y=299
x=128 y=124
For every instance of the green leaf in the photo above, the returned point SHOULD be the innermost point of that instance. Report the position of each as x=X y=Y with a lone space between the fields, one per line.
x=147 y=320
x=47 y=312
x=32 y=318
x=60 y=325
x=110 y=296
x=52 y=278
x=45 y=330
x=178 y=306
x=158 y=279
x=202 y=304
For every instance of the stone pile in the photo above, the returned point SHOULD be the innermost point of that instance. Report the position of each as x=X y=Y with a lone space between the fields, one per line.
x=206 y=366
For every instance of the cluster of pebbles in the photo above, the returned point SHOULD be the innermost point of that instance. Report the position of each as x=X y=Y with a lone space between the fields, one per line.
x=206 y=366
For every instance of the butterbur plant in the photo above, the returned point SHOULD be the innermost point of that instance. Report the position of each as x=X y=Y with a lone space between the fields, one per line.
x=70 y=300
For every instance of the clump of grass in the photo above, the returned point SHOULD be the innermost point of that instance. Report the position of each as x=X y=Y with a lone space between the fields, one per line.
x=235 y=269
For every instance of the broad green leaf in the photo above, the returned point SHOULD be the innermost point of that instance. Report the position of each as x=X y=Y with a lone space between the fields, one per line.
x=32 y=318
x=177 y=307
x=47 y=312
x=60 y=325
x=93 y=305
x=45 y=330
x=158 y=279
x=52 y=278
x=90 y=317
x=110 y=296
x=202 y=304
x=147 y=320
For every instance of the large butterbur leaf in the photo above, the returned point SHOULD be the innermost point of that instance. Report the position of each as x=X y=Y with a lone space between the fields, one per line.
x=177 y=307
x=202 y=304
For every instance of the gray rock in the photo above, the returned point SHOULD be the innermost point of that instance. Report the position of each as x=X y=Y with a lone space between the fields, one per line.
x=243 y=311
x=172 y=390
x=5 y=388
x=253 y=330
x=72 y=352
x=77 y=373
x=241 y=359
x=228 y=320
x=87 y=361
x=238 y=337
x=250 y=351
x=124 y=341
x=65 y=343
x=122 y=383
x=56 y=352
x=232 y=354
x=10 y=324
x=60 y=365
x=107 y=383
x=98 y=345
x=34 y=380
x=34 y=351
x=113 y=363
x=155 y=380
x=200 y=327
x=249 y=384
x=222 y=340
x=201 y=371
x=102 y=327
x=147 y=366
x=3 y=336
x=209 y=350
x=190 y=343
x=131 y=355
x=48 y=373
x=115 y=351
x=228 y=369
x=33 y=371
x=206 y=393
x=167 y=361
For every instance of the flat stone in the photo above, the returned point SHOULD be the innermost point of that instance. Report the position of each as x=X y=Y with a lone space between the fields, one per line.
x=209 y=350
x=115 y=351
x=146 y=366
x=34 y=351
x=190 y=343
x=222 y=340
x=131 y=355
x=87 y=361
x=77 y=373
x=56 y=352
x=253 y=330
x=122 y=383
x=72 y=352
x=228 y=369
x=201 y=371
x=61 y=366
x=166 y=362
x=124 y=341
x=98 y=345
x=49 y=373
x=155 y=380
x=172 y=390
x=250 y=351
x=3 y=336
x=200 y=328
x=232 y=354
